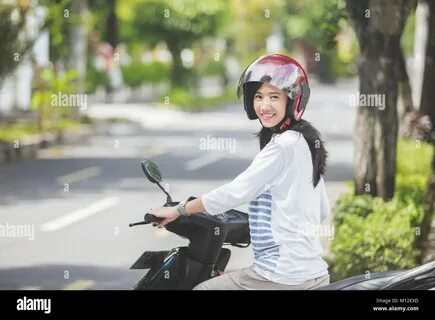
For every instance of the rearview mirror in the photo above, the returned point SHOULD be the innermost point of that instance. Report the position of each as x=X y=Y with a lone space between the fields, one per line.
x=151 y=171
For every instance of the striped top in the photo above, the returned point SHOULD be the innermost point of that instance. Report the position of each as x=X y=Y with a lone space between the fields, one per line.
x=266 y=250
x=284 y=209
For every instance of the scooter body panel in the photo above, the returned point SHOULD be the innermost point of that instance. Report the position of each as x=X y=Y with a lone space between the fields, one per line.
x=176 y=272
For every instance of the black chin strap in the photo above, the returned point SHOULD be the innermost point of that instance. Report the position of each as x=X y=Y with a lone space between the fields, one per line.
x=282 y=125
x=286 y=121
x=276 y=129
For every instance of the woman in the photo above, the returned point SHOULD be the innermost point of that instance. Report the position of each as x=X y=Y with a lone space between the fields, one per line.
x=284 y=184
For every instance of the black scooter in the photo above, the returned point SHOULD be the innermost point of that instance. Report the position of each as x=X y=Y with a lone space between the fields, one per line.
x=183 y=268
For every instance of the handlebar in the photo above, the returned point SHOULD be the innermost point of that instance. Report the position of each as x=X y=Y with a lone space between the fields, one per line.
x=148 y=218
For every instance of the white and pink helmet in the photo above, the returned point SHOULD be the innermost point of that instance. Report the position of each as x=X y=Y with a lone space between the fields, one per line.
x=282 y=72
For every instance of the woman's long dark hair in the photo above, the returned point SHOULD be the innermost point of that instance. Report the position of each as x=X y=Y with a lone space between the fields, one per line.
x=311 y=135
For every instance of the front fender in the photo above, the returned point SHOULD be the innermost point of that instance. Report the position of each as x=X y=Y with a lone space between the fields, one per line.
x=149 y=259
x=164 y=274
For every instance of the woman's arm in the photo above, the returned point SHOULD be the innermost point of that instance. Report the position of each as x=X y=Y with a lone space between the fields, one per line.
x=195 y=206
x=169 y=214
x=266 y=166
x=264 y=170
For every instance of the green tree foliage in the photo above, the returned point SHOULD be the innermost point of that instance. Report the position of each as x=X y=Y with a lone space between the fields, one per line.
x=178 y=23
x=314 y=21
x=12 y=23
x=14 y=44
x=317 y=26
x=58 y=20
x=49 y=85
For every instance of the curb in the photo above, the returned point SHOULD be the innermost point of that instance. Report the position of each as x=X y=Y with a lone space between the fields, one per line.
x=70 y=138
x=27 y=148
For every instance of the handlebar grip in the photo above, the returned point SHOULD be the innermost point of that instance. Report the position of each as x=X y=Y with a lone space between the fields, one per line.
x=150 y=218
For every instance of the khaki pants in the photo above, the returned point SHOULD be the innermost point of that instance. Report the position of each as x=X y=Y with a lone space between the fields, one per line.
x=248 y=279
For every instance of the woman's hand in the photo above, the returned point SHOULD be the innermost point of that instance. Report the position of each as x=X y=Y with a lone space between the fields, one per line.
x=168 y=214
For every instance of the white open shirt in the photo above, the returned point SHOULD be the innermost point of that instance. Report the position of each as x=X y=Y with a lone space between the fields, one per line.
x=285 y=210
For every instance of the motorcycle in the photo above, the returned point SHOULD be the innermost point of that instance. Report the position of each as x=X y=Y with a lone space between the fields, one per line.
x=182 y=268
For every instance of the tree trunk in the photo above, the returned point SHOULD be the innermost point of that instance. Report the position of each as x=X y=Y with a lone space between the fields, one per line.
x=39 y=86
x=365 y=155
x=405 y=86
x=378 y=25
x=427 y=105
x=112 y=24
x=179 y=74
x=420 y=41
x=386 y=121
x=78 y=45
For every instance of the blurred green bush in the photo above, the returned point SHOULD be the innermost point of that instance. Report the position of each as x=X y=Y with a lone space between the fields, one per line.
x=373 y=235
x=137 y=73
x=183 y=99
x=95 y=78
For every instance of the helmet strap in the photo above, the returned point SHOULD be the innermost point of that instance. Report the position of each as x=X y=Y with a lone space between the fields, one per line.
x=282 y=126
x=286 y=121
x=285 y=125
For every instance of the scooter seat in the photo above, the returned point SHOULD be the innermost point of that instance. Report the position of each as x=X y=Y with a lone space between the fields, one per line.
x=373 y=281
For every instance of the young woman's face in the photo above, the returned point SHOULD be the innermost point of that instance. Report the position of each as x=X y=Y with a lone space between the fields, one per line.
x=270 y=105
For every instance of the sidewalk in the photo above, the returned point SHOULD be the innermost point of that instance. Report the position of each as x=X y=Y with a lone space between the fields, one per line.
x=154 y=117
x=27 y=148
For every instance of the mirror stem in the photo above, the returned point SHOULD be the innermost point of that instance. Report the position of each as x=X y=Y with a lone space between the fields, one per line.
x=169 y=199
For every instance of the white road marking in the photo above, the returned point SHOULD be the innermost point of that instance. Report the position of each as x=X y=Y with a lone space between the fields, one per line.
x=78 y=215
x=79 y=175
x=30 y=288
x=80 y=285
x=204 y=160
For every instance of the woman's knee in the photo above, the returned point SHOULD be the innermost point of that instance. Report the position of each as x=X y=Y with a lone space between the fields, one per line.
x=200 y=286
x=223 y=282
